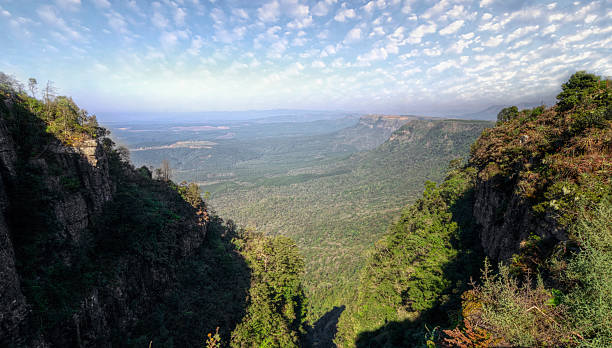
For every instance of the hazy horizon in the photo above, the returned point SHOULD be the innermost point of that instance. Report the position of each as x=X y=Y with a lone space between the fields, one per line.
x=388 y=57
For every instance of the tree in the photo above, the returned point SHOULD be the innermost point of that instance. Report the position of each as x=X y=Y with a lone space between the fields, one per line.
x=33 y=86
x=165 y=172
x=506 y=114
x=575 y=89
x=50 y=92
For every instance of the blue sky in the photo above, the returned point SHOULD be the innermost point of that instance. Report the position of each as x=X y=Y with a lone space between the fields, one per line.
x=385 y=56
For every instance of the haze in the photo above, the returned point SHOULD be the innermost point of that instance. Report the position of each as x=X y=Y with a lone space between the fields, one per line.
x=391 y=56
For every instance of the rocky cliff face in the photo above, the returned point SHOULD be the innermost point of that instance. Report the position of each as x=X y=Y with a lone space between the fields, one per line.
x=80 y=187
x=372 y=130
x=507 y=219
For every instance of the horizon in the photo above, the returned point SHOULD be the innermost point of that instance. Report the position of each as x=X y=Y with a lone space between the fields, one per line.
x=387 y=57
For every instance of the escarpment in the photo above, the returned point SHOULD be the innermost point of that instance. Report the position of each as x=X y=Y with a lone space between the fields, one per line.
x=95 y=253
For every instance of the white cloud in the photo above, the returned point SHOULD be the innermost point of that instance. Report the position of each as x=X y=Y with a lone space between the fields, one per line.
x=4 y=13
x=179 y=16
x=436 y=9
x=417 y=34
x=452 y=28
x=49 y=16
x=116 y=22
x=277 y=49
x=485 y=3
x=375 y=54
x=550 y=29
x=240 y=13
x=352 y=36
x=102 y=3
x=521 y=32
x=196 y=44
x=322 y=7
x=318 y=64
x=269 y=12
x=432 y=52
x=300 y=23
x=71 y=5
x=494 y=41
x=486 y=16
x=378 y=31
x=344 y=13
x=438 y=68
x=168 y=40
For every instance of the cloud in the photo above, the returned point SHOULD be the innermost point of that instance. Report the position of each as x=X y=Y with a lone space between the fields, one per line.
x=196 y=44
x=485 y=3
x=439 y=7
x=179 y=16
x=521 y=32
x=417 y=34
x=494 y=41
x=322 y=7
x=269 y=12
x=452 y=28
x=240 y=13
x=378 y=53
x=352 y=36
x=168 y=40
x=71 y=5
x=300 y=23
x=345 y=13
x=318 y=64
x=116 y=22
x=102 y=3
x=440 y=67
x=49 y=16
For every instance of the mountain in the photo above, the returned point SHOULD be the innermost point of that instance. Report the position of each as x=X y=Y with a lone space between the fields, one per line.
x=96 y=253
x=535 y=199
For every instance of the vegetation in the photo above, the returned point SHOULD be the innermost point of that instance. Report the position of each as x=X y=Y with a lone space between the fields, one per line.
x=183 y=252
x=418 y=270
x=277 y=307
x=554 y=291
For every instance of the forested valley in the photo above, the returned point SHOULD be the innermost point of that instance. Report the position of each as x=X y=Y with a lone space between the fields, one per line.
x=379 y=231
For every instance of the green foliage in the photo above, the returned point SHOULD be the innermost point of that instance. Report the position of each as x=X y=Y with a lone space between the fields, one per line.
x=507 y=114
x=589 y=278
x=277 y=308
x=574 y=91
x=526 y=313
x=417 y=270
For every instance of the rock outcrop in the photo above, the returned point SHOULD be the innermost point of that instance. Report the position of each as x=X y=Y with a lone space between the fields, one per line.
x=81 y=187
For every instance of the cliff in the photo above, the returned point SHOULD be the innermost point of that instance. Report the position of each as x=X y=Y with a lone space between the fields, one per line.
x=372 y=130
x=535 y=199
x=94 y=253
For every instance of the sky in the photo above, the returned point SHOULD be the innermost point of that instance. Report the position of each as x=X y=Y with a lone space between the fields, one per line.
x=381 y=56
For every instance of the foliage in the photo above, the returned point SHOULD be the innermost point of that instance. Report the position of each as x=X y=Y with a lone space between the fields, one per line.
x=558 y=161
x=417 y=270
x=506 y=114
x=213 y=341
x=277 y=308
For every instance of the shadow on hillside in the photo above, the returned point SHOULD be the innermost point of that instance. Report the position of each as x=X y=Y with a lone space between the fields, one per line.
x=322 y=333
x=446 y=312
x=126 y=279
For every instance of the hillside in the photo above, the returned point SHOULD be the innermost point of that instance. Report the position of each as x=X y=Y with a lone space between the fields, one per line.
x=336 y=210
x=535 y=198
x=96 y=253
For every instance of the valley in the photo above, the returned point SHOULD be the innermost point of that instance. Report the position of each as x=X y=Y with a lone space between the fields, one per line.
x=334 y=186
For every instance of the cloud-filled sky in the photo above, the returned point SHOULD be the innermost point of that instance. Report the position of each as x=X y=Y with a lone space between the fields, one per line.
x=386 y=56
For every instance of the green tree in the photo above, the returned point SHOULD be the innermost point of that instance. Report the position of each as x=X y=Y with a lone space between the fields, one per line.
x=277 y=309
x=506 y=114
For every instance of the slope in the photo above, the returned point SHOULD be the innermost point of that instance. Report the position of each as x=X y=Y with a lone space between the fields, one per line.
x=535 y=197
